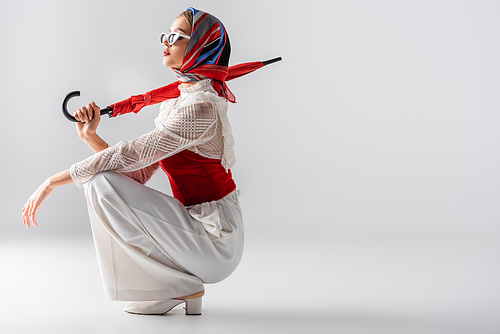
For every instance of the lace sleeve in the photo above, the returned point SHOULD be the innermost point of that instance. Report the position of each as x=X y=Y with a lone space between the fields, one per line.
x=189 y=125
x=143 y=175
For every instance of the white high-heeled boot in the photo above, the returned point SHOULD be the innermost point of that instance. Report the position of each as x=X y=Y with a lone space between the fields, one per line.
x=193 y=306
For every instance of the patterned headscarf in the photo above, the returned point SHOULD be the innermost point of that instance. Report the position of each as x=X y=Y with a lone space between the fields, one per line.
x=207 y=54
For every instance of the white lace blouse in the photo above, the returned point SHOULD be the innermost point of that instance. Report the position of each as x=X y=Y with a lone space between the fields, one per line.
x=196 y=121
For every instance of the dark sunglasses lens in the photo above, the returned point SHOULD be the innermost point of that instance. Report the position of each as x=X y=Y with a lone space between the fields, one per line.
x=172 y=38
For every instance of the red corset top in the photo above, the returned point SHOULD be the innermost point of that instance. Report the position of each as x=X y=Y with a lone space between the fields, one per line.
x=195 y=179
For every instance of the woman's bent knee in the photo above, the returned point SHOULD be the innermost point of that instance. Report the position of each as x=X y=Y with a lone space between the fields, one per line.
x=99 y=180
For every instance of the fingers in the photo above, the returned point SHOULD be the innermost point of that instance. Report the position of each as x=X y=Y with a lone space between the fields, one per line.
x=32 y=215
x=29 y=211
x=97 y=112
x=85 y=114
x=90 y=112
x=26 y=215
x=81 y=115
x=96 y=107
x=26 y=220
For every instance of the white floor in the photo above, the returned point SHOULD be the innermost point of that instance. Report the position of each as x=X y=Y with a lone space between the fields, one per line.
x=342 y=284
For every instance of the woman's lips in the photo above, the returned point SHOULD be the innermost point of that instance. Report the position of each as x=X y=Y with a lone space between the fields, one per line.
x=166 y=53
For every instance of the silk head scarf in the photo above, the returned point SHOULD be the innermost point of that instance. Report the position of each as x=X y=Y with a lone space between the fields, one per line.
x=207 y=56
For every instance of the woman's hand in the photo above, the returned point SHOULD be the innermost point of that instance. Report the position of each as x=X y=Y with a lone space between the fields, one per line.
x=41 y=194
x=89 y=118
x=34 y=203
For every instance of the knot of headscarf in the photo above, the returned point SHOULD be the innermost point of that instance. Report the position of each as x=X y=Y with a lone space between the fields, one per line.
x=207 y=53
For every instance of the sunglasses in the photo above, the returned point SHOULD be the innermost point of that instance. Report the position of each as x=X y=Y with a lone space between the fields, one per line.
x=171 y=38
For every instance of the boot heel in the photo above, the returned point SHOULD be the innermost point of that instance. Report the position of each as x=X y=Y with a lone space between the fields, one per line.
x=193 y=306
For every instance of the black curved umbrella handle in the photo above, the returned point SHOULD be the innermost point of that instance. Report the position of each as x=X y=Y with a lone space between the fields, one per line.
x=105 y=111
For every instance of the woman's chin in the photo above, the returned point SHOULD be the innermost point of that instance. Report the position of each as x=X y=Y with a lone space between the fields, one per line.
x=166 y=63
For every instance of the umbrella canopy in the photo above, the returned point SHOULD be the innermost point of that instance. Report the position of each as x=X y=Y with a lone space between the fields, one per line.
x=137 y=102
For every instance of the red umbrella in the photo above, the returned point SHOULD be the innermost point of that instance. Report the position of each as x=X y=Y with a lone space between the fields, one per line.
x=137 y=102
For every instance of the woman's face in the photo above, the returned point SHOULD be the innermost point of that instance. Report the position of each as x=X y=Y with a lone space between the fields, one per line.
x=173 y=54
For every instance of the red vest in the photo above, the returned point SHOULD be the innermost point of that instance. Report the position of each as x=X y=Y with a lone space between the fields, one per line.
x=195 y=179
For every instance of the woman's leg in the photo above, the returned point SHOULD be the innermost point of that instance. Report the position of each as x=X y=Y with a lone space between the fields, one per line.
x=149 y=247
x=133 y=264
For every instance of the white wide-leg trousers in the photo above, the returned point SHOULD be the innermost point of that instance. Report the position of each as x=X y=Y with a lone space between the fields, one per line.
x=150 y=246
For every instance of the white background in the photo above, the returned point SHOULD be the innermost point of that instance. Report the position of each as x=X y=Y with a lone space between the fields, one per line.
x=367 y=158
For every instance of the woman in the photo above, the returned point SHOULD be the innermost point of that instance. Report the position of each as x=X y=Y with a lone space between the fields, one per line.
x=152 y=248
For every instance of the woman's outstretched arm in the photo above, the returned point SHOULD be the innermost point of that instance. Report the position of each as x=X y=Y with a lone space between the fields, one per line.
x=89 y=118
x=192 y=124
x=41 y=194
